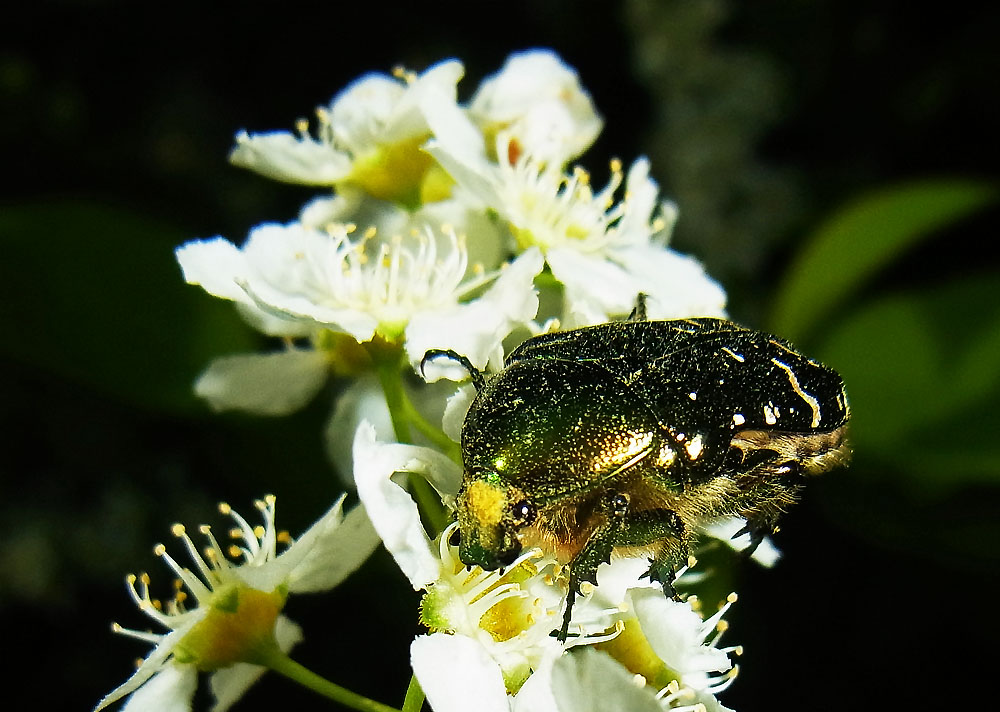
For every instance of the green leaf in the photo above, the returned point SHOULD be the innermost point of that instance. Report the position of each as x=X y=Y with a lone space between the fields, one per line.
x=93 y=294
x=862 y=238
x=923 y=376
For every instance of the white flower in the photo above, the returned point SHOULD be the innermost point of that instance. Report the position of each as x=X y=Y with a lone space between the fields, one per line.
x=369 y=138
x=604 y=252
x=236 y=616
x=454 y=669
x=539 y=102
x=405 y=288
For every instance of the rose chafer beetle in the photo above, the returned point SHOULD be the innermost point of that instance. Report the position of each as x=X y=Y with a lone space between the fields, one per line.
x=624 y=438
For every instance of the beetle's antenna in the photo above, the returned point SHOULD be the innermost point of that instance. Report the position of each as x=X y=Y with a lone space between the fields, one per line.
x=639 y=312
x=478 y=380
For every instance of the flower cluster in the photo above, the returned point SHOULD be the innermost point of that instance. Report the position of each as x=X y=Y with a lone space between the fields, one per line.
x=460 y=227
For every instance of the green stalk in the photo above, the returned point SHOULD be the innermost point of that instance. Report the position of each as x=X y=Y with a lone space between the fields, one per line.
x=284 y=665
x=414 y=699
x=388 y=366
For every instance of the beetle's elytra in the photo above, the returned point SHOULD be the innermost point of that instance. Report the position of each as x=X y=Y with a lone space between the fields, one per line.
x=624 y=438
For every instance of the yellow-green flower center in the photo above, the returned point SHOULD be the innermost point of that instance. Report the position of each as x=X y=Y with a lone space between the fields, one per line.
x=632 y=650
x=395 y=171
x=238 y=627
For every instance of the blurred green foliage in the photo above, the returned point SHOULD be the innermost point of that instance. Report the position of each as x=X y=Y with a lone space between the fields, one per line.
x=922 y=362
x=91 y=293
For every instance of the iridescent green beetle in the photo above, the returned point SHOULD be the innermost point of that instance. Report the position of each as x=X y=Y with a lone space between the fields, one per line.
x=624 y=438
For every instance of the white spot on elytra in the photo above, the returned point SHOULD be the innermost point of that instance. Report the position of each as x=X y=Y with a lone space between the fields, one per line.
x=695 y=447
x=738 y=419
x=770 y=414
x=693 y=396
x=735 y=355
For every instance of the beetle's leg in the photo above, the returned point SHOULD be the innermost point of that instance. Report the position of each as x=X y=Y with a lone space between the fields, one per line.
x=665 y=527
x=477 y=376
x=757 y=531
x=770 y=487
x=613 y=509
x=639 y=311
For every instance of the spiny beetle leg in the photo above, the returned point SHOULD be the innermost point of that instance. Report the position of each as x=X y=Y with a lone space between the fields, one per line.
x=639 y=311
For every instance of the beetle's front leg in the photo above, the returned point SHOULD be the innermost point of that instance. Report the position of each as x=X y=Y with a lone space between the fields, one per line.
x=628 y=528
x=665 y=527
x=613 y=509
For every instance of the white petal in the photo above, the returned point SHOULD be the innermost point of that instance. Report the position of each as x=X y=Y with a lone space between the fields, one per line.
x=603 y=286
x=291 y=269
x=591 y=681
x=455 y=411
x=273 y=324
x=614 y=580
x=169 y=690
x=363 y=399
x=641 y=194
x=216 y=265
x=435 y=86
x=676 y=284
x=292 y=159
x=221 y=268
x=536 y=693
x=466 y=163
x=229 y=684
x=393 y=513
x=457 y=674
x=676 y=634
x=325 y=209
x=334 y=551
x=265 y=384
x=477 y=329
x=152 y=664
x=595 y=287
x=360 y=110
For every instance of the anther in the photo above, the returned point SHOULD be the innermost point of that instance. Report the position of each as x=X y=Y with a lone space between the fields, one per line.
x=177 y=530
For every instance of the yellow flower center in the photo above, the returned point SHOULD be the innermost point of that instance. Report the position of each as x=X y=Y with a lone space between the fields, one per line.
x=394 y=172
x=238 y=626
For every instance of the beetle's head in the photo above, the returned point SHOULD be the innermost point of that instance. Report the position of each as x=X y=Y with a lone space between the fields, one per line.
x=490 y=515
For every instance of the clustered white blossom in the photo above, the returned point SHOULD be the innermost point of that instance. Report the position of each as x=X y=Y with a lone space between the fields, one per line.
x=441 y=224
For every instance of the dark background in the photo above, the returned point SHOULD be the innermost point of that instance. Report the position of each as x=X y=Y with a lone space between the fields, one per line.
x=761 y=119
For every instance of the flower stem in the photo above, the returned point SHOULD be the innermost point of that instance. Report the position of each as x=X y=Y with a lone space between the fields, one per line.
x=402 y=412
x=395 y=397
x=414 y=699
x=284 y=665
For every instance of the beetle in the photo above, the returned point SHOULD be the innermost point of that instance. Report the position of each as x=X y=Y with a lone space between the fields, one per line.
x=624 y=438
